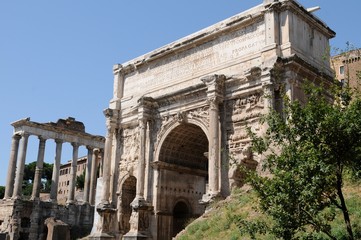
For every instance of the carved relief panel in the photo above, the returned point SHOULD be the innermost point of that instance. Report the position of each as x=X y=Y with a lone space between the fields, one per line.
x=131 y=149
x=246 y=107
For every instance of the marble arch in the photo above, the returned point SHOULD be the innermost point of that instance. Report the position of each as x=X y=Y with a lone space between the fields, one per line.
x=216 y=81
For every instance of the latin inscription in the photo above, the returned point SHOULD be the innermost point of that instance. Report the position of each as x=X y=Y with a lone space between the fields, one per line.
x=207 y=56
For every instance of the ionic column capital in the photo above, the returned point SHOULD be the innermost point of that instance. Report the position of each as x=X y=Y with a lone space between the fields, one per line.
x=17 y=136
x=24 y=134
x=96 y=150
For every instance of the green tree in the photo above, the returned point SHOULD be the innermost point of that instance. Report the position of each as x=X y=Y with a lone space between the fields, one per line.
x=29 y=173
x=307 y=150
x=80 y=181
x=2 y=192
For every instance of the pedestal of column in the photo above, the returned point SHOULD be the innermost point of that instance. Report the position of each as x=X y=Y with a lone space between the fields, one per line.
x=106 y=220
x=139 y=220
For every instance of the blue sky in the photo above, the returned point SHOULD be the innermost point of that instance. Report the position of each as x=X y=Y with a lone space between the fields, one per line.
x=56 y=57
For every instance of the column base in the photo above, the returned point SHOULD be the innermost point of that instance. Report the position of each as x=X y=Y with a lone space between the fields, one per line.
x=101 y=236
x=210 y=197
x=70 y=202
x=135 y=236
x=139 y=220
x=140 y=203
x=104 y=228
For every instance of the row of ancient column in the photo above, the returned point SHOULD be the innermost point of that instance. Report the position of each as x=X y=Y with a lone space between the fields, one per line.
x=15 y=174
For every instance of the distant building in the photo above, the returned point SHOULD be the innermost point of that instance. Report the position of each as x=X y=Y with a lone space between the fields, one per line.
x=347 y=67
x=65 y=177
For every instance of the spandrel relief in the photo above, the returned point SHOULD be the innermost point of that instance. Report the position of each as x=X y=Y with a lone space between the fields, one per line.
x=199 y=114
x=246 y=108
x=241 y=157
x=131 y=148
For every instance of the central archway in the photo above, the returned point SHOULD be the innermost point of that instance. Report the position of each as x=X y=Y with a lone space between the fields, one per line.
x=183 y=174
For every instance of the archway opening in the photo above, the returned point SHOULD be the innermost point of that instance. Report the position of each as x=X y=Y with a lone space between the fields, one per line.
x=181 y=215
x=128 y=194
x=183 y=174
x=186 y=146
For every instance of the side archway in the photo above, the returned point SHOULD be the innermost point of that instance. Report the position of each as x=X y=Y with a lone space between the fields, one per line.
x=127 y=195
x=182 y=213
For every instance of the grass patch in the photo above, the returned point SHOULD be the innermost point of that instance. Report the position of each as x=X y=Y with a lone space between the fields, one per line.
x=237 y=217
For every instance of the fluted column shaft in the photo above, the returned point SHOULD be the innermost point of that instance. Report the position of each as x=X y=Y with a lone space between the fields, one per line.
x=56 y=169
x=107 y=166
x=93 y=176
x=39 y=169
x=20 y=167
x=214 y=144
x=215 y=94
x=12 y=166
x=141 y=161
x=87 y=174
x=73 y=171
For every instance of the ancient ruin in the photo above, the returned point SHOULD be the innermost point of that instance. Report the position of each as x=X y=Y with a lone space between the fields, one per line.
x=25 y=219
x=176 y=125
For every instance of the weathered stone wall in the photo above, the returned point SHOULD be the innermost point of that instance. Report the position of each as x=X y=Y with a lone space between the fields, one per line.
x=179 y=115
x=26 y=219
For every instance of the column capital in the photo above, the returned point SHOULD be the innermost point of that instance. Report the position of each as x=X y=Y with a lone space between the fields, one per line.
x=111 y=116
x=213 y=102
x=24 y=134
x=108 y=112
x=215 y=85
x=146 y=106
x=17 y=136
x=96 y=150
x=117 y=69
x=58 y=141
x=213 y=79
x=42 y=139
x=90 y=148
x=142 y=123
x=75 y=144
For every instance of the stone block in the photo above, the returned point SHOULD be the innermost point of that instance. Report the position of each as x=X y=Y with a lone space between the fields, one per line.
x=57 y=230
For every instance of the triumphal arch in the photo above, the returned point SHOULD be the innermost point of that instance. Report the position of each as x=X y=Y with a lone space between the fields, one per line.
x=176 y=125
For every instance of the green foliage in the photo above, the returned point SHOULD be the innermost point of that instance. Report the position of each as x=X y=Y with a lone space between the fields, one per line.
x=238 y=217
x=308 y=148
x=2 y=192
x=233 y=218
x=29 y=173
x=80 y=181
